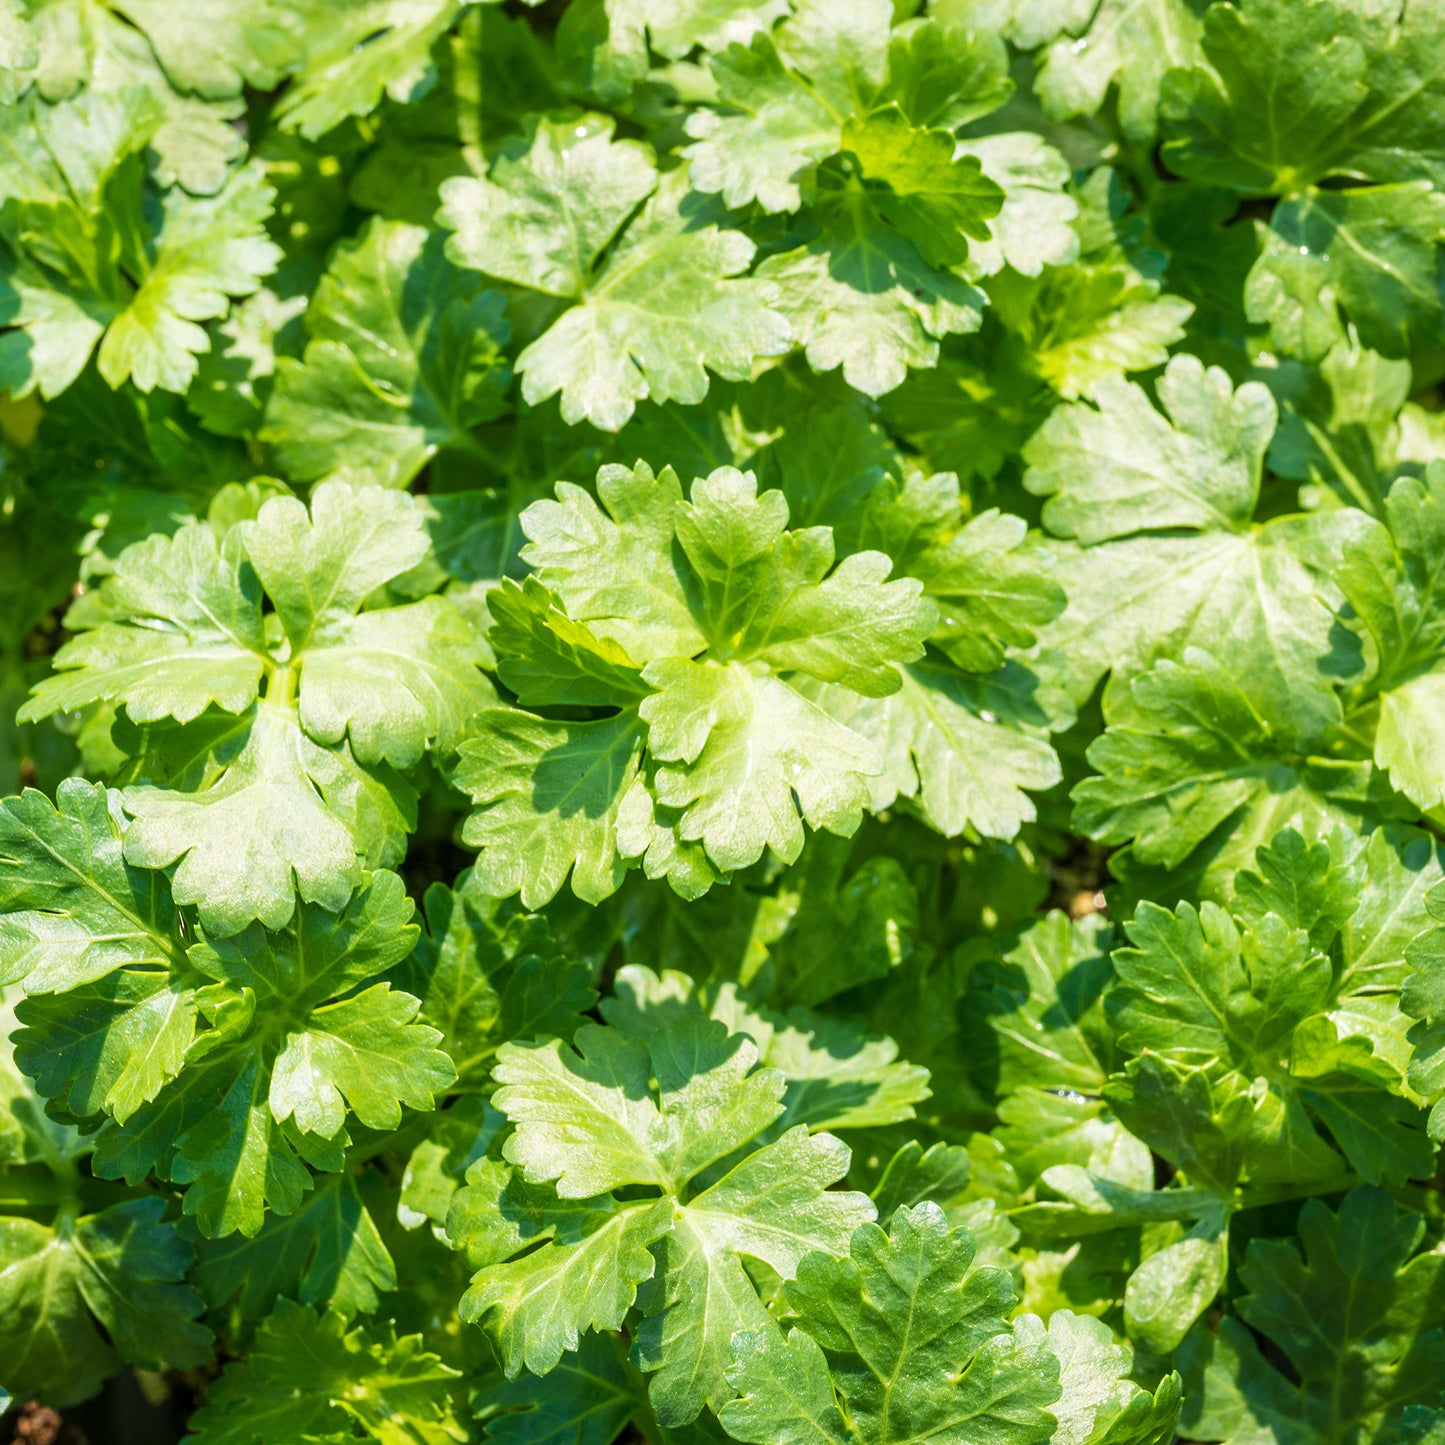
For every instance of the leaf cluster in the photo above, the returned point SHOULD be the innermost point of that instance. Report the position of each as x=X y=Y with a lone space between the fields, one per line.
x=722 y=719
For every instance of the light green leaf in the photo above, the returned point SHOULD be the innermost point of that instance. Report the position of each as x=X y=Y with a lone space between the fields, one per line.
x=738 y=754
x=836 y=1075
x=138 y=270
x=775 y=1206
x=966 y=750
x=357 y=52
x=740 y=734
x=1391 y=578
x=549 y=209
x=217 y=46
x=1124 y=468
x=1034 y=227
x=861 y=297
x=587 y=1121
x=1130 y=45
x=181 y=630
x=206 y=249
x=1191 y=748
x=318 y=568
x=1098 y=1404
x=593 y=1255
x=1083 y=323
x=259 y=813
x=1175 y=1285
x=548 y=794
x=542 y=221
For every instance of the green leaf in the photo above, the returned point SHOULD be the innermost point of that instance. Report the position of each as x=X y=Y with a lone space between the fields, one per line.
x=542 y=221
x=218 y=46
x=1034 y=227
x=831 y=78
x=774 y=1207
x=405 y=358
x=958 y=1374
x=108 y=1286
x=1129 y=47
x=622 y=1112
x=356 y=53
x=329 y=1254
x=73 y=910
x=1080 y=324
x=270 y=1044
x=1251 y=594
x=593 y=1255
x=181 y=631
x=1190 y=747
x=1192 y=977
x=1036 y=1016
x=309 y=1377
x=915 y=183
x=548 y=658
x=74 y=50
x=723 y=608
x=319 y=571
x=1309 y=1037
x=992 y=589
x=1296 y=93
x=735 y=734
x=1423 y=998
x=486 y=974
x=587 y=1120
x=587 y=1400
x=1357 y=1367
x=1373 y=253
x=1124 y=468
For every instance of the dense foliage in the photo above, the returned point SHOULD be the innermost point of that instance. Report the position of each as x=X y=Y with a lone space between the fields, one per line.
x=726 y=718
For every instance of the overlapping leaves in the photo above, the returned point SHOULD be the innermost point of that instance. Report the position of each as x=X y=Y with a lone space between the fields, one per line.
x=270 y=743
x=228 y=1065
x=687 y=619
x=633 y=1176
